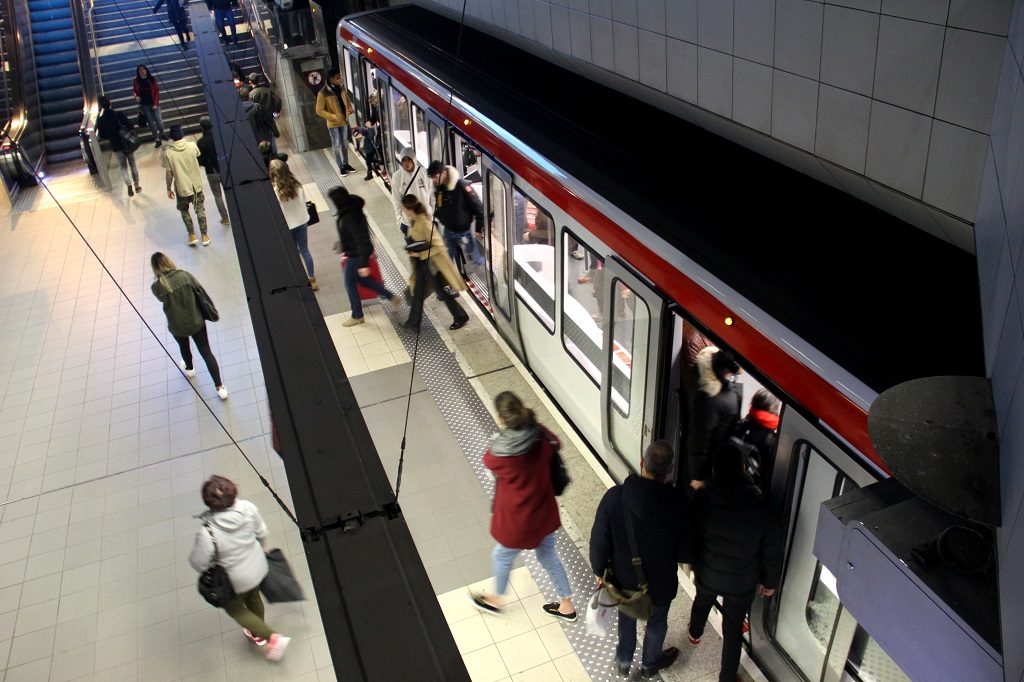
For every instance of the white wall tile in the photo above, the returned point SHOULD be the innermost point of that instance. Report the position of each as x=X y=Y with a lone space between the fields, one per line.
x=580 y=6
x=601 y=47
x=579 y=35
x=624 y=41
x=560 y=38
x=681 y=20
x=1016 y=35
x=1010 y=84
x=907 y=66
x=650 y=15
x=956 y=158
x=1007 y=364
x=933 y=11
x=682 y=70
x=624 y=11
x=559 y=3
x=512 y=16
x=752 y=95
x=527 y=27
x=1013 y=197
x=848 y=46
x=867 y=5
x=794 y=109
x=601 y=8
x=498 y=14
x=542 y=22
x=1011 y=471
x=652 y=60
x=1011 y=591
x=714 y=24
x=898 y=148
x=798 y=36
x=714 y=81
x=754 y=33
x=842 y=131
x=969 y=78
x=987 y=16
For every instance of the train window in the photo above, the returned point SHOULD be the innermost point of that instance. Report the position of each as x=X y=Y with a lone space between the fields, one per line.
x=534 y=258
x=419 y=127
x=436 y=144
x=467 y=160
x=582 y=277
x=401 y=121
x=625 y=314
x=497 y=207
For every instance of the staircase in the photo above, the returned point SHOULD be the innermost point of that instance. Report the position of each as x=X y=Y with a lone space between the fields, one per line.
x=60 y=84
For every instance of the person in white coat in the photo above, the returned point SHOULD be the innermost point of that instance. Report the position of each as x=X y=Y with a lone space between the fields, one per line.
x=238 y=530
x=410 y=178
x=293 y=204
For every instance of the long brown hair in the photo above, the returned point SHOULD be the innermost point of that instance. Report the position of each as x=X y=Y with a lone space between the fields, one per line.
x=513 y=414
x=162 y=266
x=285 y=184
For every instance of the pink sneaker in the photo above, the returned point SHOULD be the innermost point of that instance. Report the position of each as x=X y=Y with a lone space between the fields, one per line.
x=258 y=641
x=278 y=643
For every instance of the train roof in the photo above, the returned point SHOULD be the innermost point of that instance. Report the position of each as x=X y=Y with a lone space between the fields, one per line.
x=873 y=293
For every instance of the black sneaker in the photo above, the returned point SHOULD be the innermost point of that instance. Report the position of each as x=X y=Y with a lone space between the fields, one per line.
x=342 y=172
x=552 y=610
x=481 y=603
x=450 y=292
x=459 y=324
x=668 y=657
x=131 y=191
x=622 y=668
x=349 y=169
x=157 y=145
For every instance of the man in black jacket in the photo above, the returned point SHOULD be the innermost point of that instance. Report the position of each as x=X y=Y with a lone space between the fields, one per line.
x=659 y=516
x=714 y=410
x=208 y=160
x=740 y=551
x=456 y=206
x=108 y=127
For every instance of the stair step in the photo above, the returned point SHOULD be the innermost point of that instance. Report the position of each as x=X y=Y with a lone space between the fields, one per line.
x=61 y=157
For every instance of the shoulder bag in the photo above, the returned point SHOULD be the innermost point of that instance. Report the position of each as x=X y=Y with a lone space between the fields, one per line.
x=206 y=307
x=314 y=217
x=560 y=478
x=633 y=603
x=214 y=584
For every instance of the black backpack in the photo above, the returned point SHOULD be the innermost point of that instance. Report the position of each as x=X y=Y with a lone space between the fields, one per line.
x=129 y=140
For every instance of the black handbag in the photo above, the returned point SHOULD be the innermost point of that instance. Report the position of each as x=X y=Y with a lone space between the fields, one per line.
x=214 y=584
x=560 y=478
x=206 y=307
x=280 y=584
x=314 y=217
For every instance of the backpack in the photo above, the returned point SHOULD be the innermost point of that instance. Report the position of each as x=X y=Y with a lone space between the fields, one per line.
x=129 y=140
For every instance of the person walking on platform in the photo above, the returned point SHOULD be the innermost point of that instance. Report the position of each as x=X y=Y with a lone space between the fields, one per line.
x=525 y=512
x=740 y=551
x=354 y=236
x=457 y=206
x=177 y=290
x=223 y=16
x=182 y=163
x=176 y=15
x=714 y=410
x=108 y=127
x=649 y=514
x=147 y=94
x=293 y=204
x=208 y=160
x=410 y=178
x=432 y=266
x=333 y=105
x=232 y=535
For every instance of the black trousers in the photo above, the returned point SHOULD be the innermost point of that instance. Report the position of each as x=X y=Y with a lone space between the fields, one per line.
x=734 y=610
x=425 y=277
x=203 y=344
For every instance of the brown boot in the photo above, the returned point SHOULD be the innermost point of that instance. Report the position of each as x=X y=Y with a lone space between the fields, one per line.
x=312 y=284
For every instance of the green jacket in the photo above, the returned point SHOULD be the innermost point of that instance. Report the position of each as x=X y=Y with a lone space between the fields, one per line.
x=183 y=315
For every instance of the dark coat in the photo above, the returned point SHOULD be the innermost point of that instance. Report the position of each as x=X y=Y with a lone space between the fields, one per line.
x=264 y=125
x=739 y=544
x=175 y=12
x=108 y=127
x=751 y=431
x=456 y=204
x=662 y=527
x=714 y=411
x=354 y=232
x=208 y=154
x=525 y=510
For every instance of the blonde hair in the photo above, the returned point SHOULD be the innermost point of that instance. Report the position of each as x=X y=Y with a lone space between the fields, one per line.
x=285 y=184
x=514 y=415
x=162 y=266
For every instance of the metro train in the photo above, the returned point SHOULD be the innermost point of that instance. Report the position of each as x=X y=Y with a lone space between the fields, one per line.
x=613 y=226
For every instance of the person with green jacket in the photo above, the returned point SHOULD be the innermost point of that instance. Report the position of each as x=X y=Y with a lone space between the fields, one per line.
x=177 y=289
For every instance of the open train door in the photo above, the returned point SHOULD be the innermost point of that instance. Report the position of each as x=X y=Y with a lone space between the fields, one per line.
x=632 y=351
x=497 y=197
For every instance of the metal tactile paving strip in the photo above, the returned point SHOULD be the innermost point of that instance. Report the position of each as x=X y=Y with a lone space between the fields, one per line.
x=472 y=426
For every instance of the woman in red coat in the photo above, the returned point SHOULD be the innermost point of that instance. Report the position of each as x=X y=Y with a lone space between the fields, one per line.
x=525 y=512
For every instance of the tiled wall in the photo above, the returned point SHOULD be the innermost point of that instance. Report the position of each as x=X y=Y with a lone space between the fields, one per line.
x=896 y=95
x=1000 y=249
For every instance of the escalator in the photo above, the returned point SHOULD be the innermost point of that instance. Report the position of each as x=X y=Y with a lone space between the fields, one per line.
x=56 y=56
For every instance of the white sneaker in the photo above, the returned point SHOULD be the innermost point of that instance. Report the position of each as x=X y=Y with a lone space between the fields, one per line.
x=276 y=647
x=188 y=372
x=222 y=392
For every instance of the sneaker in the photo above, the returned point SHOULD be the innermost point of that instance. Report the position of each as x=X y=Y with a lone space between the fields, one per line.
x=367 y=177
x=131 y=192
x=192 y=239
x=188 y=371
x=622 y=668
x=225 y=221
x=694 y=641
x=353 y=321
x=552 y=610
x=313 y=285
x=206 y=240
x=458 y=324
x=349 y=169
x=483 y=605
x=277 y=645
x=222 y=391
x=157 y=144
x=450 y=292
x=396 y=302
x=258 y=641
x=668 y=657
x=342 y=172
x=138 y=188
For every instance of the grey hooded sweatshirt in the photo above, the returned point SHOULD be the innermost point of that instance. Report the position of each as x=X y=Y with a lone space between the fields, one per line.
x=239 y=531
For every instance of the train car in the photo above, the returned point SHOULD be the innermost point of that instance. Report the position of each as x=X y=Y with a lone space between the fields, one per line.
x=615 y=229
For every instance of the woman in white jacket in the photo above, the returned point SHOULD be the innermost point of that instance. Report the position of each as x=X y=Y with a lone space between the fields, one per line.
x=238 y=530
x=293 y=204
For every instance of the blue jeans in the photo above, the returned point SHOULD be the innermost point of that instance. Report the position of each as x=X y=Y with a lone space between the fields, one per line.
x=224 y=16
x=299 y=235
x=156 y=124
x=339 y=143
x=654 y=638
x=453 y=240
x=547 y=556
x=352 y=278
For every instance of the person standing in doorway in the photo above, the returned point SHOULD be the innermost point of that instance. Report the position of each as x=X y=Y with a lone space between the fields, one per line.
x=714 y=410
x=147 y=94
x=457 y=206
x=177 y=289
x=108 y=127
x=208 y=160
x=333 y=105
x=182 y=163
x=293 y=204
x=410 y=178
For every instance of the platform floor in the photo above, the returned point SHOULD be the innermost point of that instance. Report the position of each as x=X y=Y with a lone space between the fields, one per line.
x=104 y=444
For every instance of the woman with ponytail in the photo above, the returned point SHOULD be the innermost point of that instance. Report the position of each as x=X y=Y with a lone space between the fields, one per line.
x=525 y=512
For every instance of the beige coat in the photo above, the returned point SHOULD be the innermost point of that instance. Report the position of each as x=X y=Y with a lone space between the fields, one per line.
x=327 y=106
x=419 y=231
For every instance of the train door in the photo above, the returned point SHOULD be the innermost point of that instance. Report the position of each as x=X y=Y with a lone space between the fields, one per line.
x=354 y=84
x=387 y=143
x=633 y=338
x=468 y=160
x=497 y=198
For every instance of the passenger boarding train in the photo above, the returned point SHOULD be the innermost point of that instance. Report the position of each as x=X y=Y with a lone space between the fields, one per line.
x=613 y=226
